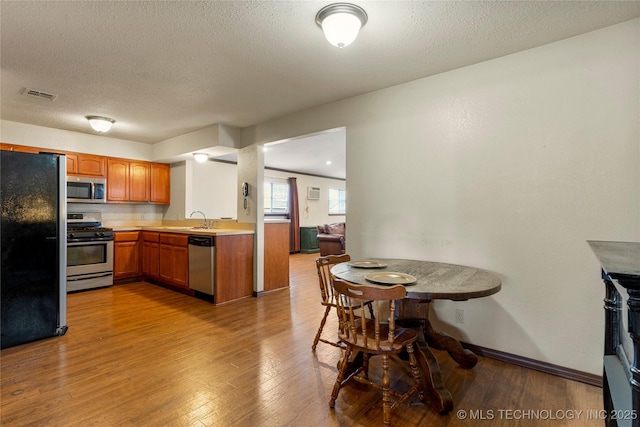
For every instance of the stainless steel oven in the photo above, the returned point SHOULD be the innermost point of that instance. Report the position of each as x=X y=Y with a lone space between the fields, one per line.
x=89 y=252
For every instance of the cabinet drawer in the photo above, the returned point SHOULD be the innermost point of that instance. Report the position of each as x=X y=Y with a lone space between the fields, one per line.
x=150 y=236
x=126 y=236
x=174 y=239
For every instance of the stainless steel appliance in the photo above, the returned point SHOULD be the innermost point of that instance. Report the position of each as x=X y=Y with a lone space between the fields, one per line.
x=82 y=189
x=201 y=263
x=89 y=252
x=33 y=205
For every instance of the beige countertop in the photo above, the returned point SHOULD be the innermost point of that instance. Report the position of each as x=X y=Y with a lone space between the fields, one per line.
x=276 y=220
x=184 y=230
x=201 y=231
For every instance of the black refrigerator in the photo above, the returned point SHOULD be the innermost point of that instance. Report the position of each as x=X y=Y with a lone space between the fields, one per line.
x=33 y=245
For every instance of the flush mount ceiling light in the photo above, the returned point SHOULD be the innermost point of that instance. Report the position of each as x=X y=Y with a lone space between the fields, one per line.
x=200 y=157
x=341 y=22
x=100 y=124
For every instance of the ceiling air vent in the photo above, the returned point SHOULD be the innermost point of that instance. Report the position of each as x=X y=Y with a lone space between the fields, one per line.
x=35 y=93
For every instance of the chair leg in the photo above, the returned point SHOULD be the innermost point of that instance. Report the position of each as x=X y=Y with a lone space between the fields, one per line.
x=342 y=368
x=386 y=395
x=415 y=371
x=365 y=365
x=322 y=322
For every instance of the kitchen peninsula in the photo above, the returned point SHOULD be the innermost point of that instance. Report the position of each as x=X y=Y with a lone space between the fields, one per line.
x=160 y=254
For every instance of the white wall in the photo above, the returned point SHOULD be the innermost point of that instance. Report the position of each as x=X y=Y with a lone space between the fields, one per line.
x=58 y=139
x=509 y=165
x=312 y=212
x=215 y=189
x=39 y=136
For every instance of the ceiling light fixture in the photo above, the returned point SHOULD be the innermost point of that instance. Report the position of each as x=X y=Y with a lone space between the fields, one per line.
x=341 y=22
x=100 y=124
x=200 y=157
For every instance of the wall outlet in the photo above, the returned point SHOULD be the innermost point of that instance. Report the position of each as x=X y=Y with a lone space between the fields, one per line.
x=460 y=316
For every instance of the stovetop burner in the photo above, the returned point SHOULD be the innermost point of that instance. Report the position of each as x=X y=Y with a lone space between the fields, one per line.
x=87 y=227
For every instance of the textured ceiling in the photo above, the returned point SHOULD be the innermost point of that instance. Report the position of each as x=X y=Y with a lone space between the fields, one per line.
x=165 y=68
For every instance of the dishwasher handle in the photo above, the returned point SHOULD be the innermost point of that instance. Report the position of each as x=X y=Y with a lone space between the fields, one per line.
x=201 y=241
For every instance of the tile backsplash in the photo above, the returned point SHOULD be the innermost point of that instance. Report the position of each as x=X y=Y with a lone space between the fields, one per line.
x=122 y=214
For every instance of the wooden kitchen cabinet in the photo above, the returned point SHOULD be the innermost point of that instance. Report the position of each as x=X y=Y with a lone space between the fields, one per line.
x=276 y=255
x=134 y=181
x=165 y=259
x=85 y=164
x=138 y=181
x=126 y=257
x=160 y=183
x=117 y=180
x=21 y=148
x=150 y=254
x=127 y=180
x=233 y=275
x=174 y=259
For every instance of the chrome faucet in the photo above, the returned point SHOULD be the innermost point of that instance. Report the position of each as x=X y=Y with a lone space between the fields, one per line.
x=204 y=222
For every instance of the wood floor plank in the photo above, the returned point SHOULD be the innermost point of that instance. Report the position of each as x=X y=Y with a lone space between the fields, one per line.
x=142 y=355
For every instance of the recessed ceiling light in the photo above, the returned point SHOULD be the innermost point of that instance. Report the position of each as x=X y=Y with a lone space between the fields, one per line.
x=201 y=157
x=328 y=162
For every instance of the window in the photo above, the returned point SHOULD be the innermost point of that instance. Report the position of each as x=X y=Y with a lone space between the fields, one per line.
x=276 y=197
x=337 y=202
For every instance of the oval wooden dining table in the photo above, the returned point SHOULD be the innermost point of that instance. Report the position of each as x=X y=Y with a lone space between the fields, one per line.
x=433 y=280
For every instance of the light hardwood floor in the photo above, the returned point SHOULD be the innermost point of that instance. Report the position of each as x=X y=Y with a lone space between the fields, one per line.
x=142 y=355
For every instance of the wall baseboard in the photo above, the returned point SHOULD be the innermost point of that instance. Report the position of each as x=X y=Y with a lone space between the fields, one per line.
x=548 y=368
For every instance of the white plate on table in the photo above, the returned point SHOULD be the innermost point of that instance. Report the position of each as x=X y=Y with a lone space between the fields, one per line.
x=390 y=278
x=367 y=263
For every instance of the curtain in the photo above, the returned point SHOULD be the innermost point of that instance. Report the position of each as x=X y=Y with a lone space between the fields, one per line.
x=294 y=216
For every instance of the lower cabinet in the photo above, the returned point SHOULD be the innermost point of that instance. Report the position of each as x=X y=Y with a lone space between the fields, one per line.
x=126 y=255
x=174 y=259
x=276 y=255
x=165 y=259
x=233 y=276
x=151 y=254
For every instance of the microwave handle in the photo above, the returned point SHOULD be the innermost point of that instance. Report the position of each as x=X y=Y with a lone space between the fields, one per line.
x=93 y=191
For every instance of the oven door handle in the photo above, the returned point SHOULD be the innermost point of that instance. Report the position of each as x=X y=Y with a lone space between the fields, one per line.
x=88 y=276
x=93 y=239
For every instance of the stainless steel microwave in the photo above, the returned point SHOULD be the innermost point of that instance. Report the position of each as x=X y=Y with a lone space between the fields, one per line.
x=86 y=190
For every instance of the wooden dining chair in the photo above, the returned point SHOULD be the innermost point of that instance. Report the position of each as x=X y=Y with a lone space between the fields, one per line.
x=325 y=280
x=373 y=337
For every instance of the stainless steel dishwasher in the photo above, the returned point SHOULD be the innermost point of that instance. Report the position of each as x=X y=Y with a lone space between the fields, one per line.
x=201 y=263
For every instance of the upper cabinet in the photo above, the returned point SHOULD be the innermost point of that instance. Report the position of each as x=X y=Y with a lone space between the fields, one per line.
x=21 y=148
x=117 y=180
x=160 y=183
x=134 y=181
x=85 y=164
x=139 y=188
x=127 y=180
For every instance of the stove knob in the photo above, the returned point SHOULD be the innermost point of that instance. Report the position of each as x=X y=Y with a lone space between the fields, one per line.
x=99 y=234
